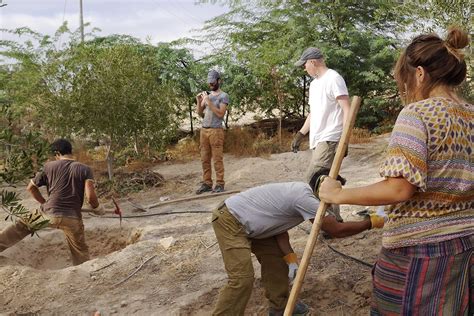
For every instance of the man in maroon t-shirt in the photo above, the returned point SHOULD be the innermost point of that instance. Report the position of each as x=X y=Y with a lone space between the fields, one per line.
x=66 y=181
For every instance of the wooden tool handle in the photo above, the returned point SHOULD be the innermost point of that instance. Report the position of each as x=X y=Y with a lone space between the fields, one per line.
x=313 y=236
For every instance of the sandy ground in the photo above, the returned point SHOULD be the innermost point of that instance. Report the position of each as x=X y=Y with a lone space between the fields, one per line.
x=132 y=273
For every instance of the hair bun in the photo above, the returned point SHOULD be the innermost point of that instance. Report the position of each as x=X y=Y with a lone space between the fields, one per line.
x=457 y=38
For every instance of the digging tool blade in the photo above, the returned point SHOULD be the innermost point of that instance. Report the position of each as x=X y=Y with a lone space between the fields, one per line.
x=117 y=210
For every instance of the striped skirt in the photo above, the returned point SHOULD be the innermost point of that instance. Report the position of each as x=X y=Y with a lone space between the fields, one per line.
x=432 y=279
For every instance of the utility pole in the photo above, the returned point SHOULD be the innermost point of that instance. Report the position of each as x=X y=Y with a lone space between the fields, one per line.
x=81 y=22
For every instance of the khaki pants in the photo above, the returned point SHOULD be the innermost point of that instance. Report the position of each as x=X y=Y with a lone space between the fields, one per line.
x=236 y=249
x=322 y=157
x=73 y=229
x=212 y=148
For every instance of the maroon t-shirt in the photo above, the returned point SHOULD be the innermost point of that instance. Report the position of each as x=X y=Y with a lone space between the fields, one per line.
x=65 y=182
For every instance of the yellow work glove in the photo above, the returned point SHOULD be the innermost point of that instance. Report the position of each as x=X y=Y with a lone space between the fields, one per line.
x=292 y=260
x=378 y=218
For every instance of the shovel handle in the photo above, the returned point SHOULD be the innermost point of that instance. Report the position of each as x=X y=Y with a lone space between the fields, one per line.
x=336 y=165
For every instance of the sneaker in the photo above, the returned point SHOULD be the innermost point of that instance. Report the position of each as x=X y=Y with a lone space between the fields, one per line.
x=204 y=188
x=218 y=188
x=300 y=309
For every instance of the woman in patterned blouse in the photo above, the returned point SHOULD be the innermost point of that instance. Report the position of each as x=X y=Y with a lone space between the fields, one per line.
x=426 y=263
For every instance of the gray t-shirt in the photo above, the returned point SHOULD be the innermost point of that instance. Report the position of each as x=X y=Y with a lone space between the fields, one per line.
x=210 y=119
x=65 y=183
x=271 y=209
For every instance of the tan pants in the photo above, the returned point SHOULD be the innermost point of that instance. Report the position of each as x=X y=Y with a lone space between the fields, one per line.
x=212 y=148
x=73 y=229
x=236 y=248
x=322 y=157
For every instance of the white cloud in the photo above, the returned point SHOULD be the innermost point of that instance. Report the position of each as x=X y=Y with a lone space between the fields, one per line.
x=161 y=20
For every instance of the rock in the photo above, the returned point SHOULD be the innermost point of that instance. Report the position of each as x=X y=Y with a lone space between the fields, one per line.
x=123 y=304
x=167 y=242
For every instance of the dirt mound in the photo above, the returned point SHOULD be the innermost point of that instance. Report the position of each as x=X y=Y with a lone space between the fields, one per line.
x=51 y=252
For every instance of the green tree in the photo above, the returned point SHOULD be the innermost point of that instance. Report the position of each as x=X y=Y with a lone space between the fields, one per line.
x=113 y=89
x=266 y=37
x=110 y=94
x=361 y=40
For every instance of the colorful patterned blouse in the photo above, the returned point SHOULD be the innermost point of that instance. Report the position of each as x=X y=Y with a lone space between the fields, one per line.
x=432 y=146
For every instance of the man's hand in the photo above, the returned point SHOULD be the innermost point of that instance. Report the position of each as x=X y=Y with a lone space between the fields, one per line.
x=100 y=210
x=292 y=260
x=204 y=97
x=329 y=190
x=295 y=144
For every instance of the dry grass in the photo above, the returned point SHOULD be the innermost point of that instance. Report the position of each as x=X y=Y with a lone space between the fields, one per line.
x=186 y=149
x=239 y=141
x=359 y=136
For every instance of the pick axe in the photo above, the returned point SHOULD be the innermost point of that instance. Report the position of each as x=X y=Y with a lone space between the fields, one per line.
x=336 y=165
x=117 y=210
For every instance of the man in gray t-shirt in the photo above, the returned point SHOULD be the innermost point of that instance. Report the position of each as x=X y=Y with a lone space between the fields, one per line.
x=211 y=106
x=250 y=222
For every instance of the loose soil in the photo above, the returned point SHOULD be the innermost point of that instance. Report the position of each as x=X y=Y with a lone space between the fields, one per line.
x=37 y=278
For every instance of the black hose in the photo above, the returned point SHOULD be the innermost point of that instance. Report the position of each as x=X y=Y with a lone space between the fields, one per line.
x=338 y=252
x=347 y=256
x=152 y=214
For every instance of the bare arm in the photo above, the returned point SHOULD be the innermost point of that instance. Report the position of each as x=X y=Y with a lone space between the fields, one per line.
x=90 y=194
x=199 y=105
x=305 y=128
x=387 y=191
x=344 y=102
x=340 y=230
x=283 y=241
x=35 y=192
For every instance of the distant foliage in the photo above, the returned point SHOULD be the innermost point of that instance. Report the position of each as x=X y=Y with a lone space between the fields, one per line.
x=112 y=90
x=360 y=39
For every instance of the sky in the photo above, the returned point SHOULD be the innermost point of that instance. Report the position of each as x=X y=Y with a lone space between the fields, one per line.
x=156 y=20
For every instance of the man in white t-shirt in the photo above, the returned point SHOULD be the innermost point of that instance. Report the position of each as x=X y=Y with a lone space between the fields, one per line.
x=329 y=109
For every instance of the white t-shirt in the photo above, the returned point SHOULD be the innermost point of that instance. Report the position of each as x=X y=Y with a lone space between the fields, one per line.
x=271 y=209
x=327 y=117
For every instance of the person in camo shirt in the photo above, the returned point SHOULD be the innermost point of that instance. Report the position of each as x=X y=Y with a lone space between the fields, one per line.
x=67 y=182
x=211 y=106
x=426 y=266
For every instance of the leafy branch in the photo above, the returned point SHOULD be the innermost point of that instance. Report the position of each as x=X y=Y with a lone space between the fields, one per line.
x=10 y=204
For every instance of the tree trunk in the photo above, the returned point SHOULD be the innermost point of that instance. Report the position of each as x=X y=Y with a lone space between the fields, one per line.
x=276 y=87
x=304 y=93
x=135 y=145
x=110 y=160
x=191 y=116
